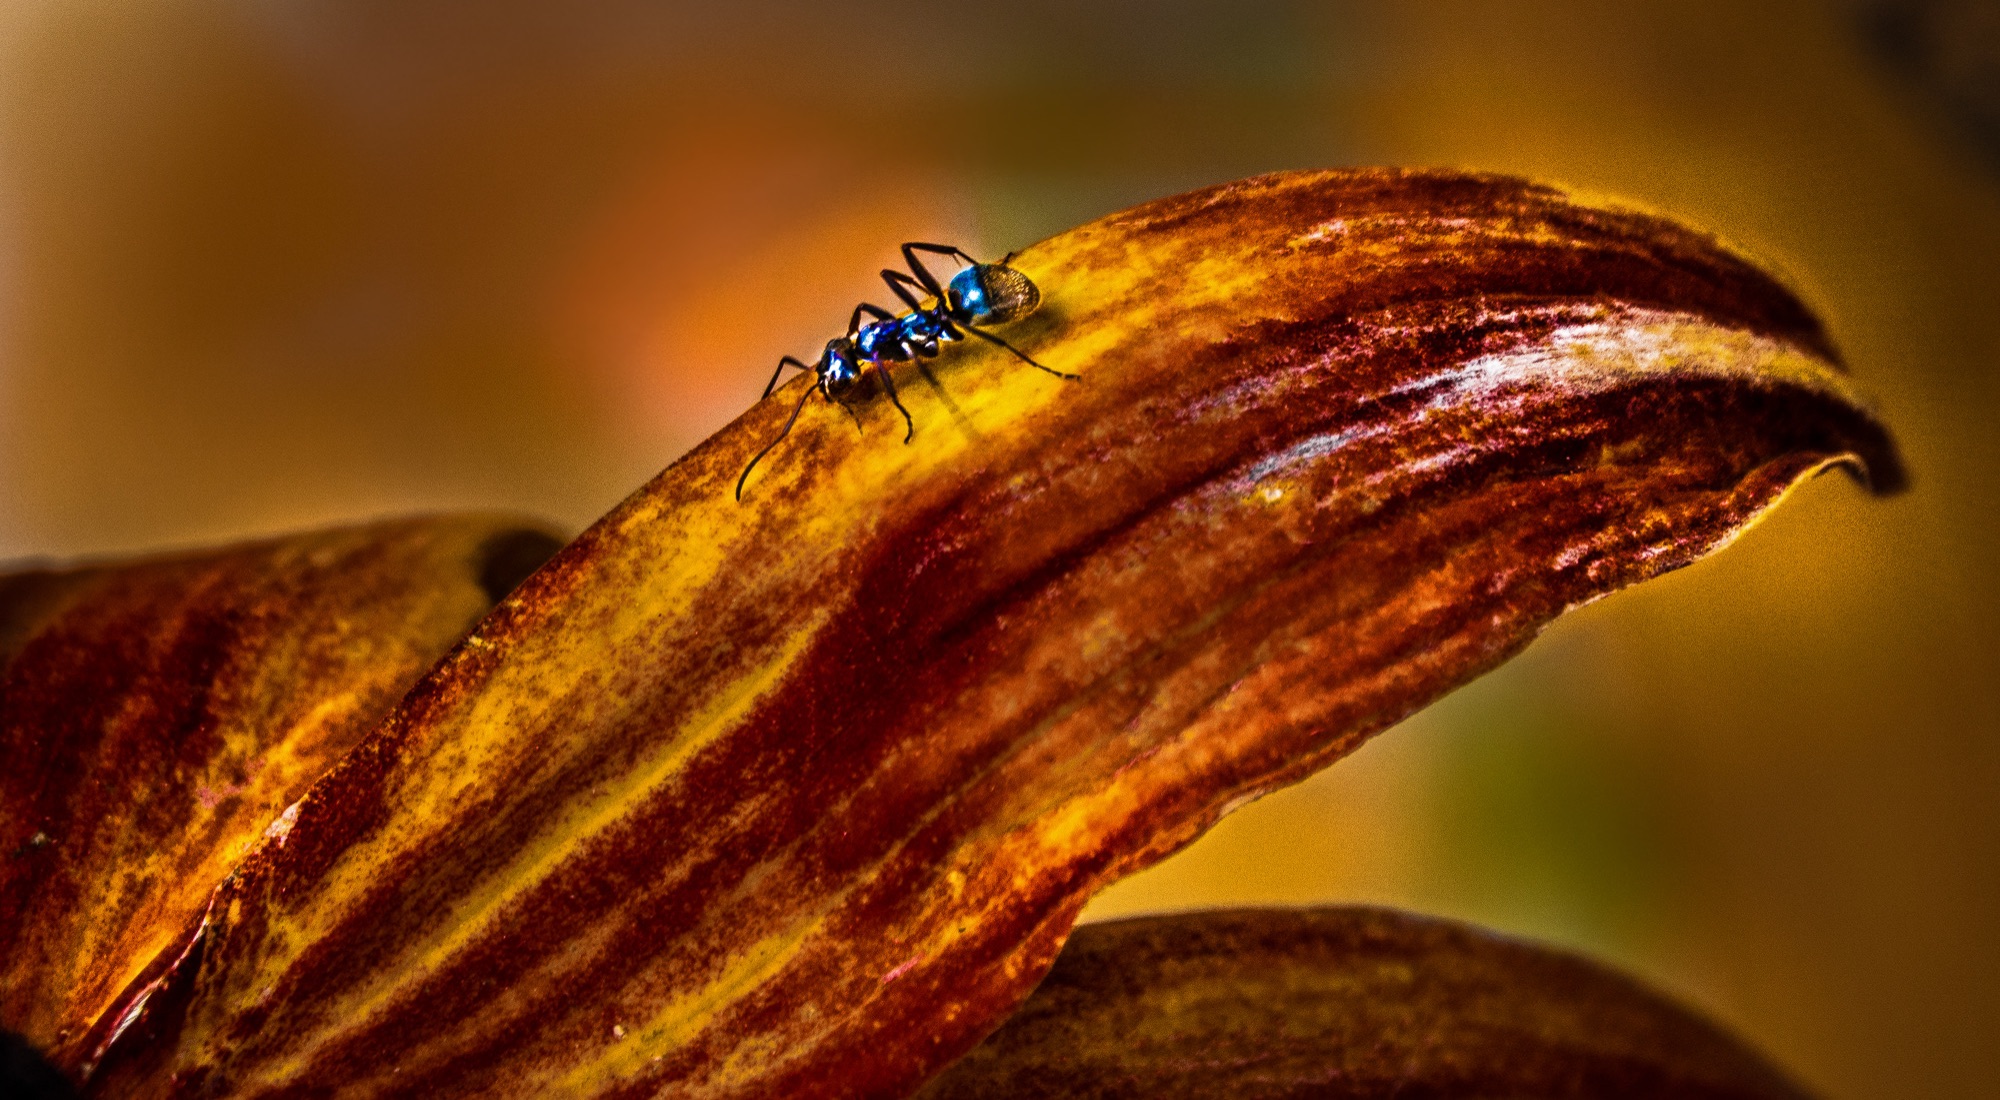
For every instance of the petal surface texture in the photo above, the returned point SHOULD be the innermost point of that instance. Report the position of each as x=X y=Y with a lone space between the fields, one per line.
x=799 y=797
x=158 y=715
x=1344 y=1004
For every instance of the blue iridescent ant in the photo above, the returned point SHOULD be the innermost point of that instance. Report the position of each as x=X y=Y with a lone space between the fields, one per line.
x=980 y=294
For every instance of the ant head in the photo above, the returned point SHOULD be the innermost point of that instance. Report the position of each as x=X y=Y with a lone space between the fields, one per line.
x=991 y=294
x=839 y=370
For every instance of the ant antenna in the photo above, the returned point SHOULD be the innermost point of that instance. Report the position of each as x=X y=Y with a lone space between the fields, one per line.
x=782 y=433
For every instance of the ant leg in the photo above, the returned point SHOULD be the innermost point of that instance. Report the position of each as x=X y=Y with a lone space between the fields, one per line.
x=787 y=361
x=889 y=384
x=900 y=284
x=877 y=312
x=923 y=273
x=782 y=433
x=990 y=338
x=940 y=249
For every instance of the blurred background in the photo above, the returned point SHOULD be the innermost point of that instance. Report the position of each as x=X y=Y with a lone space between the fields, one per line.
x=272 y=263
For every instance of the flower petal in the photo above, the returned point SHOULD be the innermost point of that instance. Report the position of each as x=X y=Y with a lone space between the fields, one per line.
x=1338 y=1003
x=156 y=716
x=799 y=797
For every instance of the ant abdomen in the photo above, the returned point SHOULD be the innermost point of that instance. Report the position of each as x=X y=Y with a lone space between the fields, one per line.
x=992 y=294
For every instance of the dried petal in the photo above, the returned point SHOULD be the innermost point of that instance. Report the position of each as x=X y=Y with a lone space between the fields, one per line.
x=800 y=797
x=1344 y=1003
x=156 y=716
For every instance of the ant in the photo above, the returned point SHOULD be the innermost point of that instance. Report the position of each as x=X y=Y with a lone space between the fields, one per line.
x=980 y=294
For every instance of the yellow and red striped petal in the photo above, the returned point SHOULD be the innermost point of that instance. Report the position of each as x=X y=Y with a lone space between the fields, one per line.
x=157 y=715
x=1344 y=1004
x=799 y=797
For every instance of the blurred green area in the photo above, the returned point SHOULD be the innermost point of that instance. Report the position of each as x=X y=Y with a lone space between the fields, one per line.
x=267 y=265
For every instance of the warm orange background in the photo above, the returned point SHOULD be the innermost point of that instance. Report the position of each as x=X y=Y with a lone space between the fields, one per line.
x=266 y=265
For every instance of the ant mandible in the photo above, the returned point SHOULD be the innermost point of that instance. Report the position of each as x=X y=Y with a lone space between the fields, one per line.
x=980 y=294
